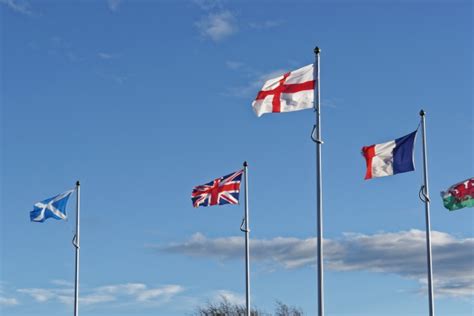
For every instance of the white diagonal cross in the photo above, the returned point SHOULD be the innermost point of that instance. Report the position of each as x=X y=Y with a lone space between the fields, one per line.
x=51 y=207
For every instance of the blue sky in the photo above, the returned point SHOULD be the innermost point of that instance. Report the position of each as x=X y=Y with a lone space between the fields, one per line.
x=143 y=100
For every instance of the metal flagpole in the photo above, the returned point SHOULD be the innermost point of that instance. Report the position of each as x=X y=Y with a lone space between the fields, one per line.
x=319 y=181
x=76 y=243
x=426 y=198
x=247 y=251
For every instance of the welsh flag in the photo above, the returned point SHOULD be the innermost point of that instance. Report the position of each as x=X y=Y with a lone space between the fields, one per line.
x=459 y=195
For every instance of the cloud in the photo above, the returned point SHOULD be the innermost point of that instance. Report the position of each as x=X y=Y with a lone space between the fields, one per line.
x=165 y=292
x=255 y=83
x=105 y=55
x=128 y=288
x=63 y=48
x=127 y=292
x=6 y=301
x=20 y=6
x=217 y=26
x=208 y=5
x=234 y=65
x=229 y=296
x=113 y=4
x=117 y=78
x=402 y=253
x=264 y=25
x=62 y=283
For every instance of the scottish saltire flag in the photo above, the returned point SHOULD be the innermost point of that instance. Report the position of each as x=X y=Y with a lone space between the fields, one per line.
x=292 y=91
x=223 y=190
x=390 y=158
x=54 y=207
x=459 y=195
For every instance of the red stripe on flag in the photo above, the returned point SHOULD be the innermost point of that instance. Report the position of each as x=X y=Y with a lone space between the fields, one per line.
x=369 y=154
x=292 y=88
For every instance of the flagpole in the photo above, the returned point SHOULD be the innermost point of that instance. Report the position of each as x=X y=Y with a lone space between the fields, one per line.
x=247 y=250
x=76 y=245
x=319 y=181
x=426 y=199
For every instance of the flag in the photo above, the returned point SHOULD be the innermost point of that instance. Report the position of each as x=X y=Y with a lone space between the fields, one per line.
x=459 y=195
x=54 y=207
x=223 y=190
x=292 y=91
x=390 y=158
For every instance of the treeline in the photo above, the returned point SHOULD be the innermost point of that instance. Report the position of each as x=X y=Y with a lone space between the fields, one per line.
x=226 y=308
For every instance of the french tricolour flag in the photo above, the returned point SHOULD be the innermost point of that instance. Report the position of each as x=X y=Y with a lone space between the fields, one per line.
x=393 y=157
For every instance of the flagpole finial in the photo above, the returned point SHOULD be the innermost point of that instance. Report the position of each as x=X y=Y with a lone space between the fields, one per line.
x=245 y=164
x=317 y=50
x=422 y=112
x=78 y=183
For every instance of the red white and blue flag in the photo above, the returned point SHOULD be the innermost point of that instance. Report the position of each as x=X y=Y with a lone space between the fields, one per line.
x=223 y=190
x=390 y=158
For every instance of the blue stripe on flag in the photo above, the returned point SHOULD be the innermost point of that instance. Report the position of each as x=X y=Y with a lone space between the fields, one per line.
x=403 y=154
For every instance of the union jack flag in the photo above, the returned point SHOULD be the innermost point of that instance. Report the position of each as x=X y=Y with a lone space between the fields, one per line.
x=223 y=190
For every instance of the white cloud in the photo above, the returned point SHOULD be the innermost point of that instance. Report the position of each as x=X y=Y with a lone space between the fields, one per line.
x=6 y=301
x=208 y=5
x=127 y=292
x=105 y=55
x=39 y=295
x=62 y=283
x=117 y=78
x=113 y=4
x=264 y=24
x=217 y=26
x=255 y=83
x=128 y=288
x=229 y=296
x=402 y=253
x=234 y=65
x=164 y=292
x=20 y=6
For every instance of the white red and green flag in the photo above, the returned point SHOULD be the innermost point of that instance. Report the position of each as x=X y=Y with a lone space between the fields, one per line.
x=459 y=195
x=292 y=91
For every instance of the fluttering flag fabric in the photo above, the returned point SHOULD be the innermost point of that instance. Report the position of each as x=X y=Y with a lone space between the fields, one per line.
x=292 y=91
x=390 y=158
x=54 y=207
x=223 y=190
x=459 y=195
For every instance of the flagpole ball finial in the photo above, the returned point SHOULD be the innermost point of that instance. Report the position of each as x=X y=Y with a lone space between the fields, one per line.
x=245 y=164
x=317 y=50
x=422 y=113
x=78 y=183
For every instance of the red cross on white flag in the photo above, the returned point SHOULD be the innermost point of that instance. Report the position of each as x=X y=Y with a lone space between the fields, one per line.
x=292 y=91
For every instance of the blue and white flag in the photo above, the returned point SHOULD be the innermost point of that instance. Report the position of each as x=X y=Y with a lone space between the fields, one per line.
x=54 y=207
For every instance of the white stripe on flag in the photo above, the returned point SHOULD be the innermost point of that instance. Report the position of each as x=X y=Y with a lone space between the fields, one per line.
x=382 y=163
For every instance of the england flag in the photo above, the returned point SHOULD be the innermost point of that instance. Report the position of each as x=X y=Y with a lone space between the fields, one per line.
x=289 y=92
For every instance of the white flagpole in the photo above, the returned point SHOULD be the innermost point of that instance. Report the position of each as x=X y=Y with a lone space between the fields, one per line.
x=426 y=198
x=319 y=180
x=247 y=250
x=76 y=244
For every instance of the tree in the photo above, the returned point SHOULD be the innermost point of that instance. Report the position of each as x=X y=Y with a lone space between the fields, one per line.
x=285 y=310
x=226 y=308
